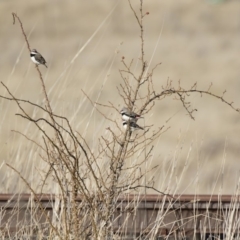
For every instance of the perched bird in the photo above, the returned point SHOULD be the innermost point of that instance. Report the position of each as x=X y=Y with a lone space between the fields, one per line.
x=127 y=115
x=37 y=58
x=132 y=125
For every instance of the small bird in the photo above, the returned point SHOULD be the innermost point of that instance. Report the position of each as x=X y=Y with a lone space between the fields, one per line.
x=37 y=58
x=127 y=115
x=132 y=125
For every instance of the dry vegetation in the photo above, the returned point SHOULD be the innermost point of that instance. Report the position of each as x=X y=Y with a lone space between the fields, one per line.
x=101 y=169
x=193 y=40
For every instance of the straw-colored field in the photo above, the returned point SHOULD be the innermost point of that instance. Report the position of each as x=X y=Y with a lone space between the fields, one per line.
x=195 y=41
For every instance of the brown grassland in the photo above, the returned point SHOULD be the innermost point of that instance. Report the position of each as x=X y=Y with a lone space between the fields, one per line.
x=84 y=42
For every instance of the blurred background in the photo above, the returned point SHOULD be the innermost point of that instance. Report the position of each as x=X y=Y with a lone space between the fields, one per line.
x=83 y=43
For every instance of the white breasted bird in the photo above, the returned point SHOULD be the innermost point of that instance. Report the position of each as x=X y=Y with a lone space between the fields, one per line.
x=128 y=115
x=37 y=58
x=132 y=125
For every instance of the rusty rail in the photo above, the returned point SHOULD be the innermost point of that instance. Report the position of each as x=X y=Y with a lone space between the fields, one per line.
x=142 y=216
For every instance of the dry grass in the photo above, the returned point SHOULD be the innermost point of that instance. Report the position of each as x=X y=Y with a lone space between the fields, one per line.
x=197 y=43
x=81 y=149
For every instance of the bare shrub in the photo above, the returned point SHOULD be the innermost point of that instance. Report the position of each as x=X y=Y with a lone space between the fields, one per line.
x=117 y=167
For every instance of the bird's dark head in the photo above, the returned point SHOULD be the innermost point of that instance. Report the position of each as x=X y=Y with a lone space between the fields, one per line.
x=124 y=110
x=34 y=51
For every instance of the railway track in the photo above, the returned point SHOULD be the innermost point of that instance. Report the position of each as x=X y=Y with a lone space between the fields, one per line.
x=136 y=216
